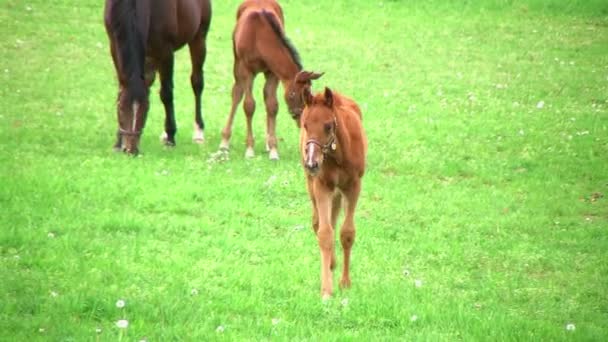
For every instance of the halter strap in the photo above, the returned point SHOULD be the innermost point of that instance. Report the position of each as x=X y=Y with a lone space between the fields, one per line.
x=330 y=146
x=129 y=133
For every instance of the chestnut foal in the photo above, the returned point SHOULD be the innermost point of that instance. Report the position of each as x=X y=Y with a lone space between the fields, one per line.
x=333 y=147
x=260 y=45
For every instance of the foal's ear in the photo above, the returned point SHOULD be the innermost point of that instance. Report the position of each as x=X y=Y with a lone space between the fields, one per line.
x=306 y=96
x=329 y=98
x=307 y=76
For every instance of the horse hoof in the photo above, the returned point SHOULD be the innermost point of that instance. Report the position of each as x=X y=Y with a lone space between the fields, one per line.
x=224 y=145
x=163 y=137
x=345 y=283
x=273 y=154
x=326 y=297
x=198 y=137
x=249 y=153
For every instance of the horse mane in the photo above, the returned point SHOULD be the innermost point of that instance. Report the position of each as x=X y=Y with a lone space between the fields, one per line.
x=276 y=27
x=130 y=45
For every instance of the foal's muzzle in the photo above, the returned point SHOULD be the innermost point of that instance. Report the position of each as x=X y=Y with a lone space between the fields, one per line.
x=311 y=162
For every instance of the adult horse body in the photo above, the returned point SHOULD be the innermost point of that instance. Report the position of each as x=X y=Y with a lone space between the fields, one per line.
x=333 y=146
x=143 y=36
x=260 y=45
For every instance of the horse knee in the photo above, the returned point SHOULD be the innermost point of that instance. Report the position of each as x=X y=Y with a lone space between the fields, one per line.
x=326 y=238
x=347 y=237
x=249 y=106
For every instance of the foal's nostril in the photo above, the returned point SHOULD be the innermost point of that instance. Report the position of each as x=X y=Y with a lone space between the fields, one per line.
x=312 y=165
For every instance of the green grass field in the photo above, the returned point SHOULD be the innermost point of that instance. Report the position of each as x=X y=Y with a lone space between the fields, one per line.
x=483 y=216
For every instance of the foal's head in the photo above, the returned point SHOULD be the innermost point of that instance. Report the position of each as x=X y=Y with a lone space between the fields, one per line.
x=293 y=93
x=319 y=126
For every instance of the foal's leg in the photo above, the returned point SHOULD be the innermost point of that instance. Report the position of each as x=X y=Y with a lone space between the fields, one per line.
x=237 y=95
x=335 y=212
x=325 y=236
x=166 y=95
x=315 y=213
x=347 y=233
x=272 y=107
x=249 y=107
x=198 y=52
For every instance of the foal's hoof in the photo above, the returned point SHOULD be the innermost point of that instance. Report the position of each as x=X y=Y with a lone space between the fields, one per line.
x=325 y=297
x=224 y=145
x=273 y=154
x=345 y=283
x=249 y=153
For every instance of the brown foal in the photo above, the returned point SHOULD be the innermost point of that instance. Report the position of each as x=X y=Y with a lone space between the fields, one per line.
x=333 y=146
x=260 y=45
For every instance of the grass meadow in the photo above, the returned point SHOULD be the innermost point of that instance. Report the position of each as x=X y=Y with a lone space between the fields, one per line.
x=483 y=216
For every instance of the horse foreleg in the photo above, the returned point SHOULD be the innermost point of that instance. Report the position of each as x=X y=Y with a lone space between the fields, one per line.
x=347 y=232
x=325 y=237
x=315 y=213
x=272 y=107
x=198 y=52
x=166 y=95
x=237 y=95
x=335 y=212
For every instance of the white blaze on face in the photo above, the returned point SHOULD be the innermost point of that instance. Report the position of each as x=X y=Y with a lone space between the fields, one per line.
x=135 y=110
x=310 y=154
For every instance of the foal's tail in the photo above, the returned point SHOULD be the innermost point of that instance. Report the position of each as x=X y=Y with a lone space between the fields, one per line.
x=130 y=43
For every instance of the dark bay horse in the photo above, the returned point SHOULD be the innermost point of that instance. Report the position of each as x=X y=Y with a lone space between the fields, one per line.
x=260 y=45
x=143 y=36
x=333 y=147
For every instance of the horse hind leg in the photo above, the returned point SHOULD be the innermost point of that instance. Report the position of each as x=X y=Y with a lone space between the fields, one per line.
x=272 y=107
x=249 y=107
x=198 y=52
x=166 y=96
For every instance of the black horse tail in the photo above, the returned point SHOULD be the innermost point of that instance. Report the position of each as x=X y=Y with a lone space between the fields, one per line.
x=276 y=27
x=131 y=47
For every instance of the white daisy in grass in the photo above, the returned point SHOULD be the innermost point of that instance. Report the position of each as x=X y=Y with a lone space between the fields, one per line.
x=406 y=272
x=414 y=318
x=344 y=302
x=418 y=283
x=51 y=235
x=540 y=104
x=122 y=323
x=570 y=327
x=194 y=292
x=54 y=294
x=276 y=321
x=98 y=330
x=41 y=330
x=120 y=303
x=220 y=329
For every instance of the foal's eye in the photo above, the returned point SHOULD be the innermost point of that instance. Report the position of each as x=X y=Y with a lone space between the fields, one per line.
x=327 y=127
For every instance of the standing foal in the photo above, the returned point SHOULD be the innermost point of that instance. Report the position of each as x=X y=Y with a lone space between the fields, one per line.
x=260 y=45
x=333 y=147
